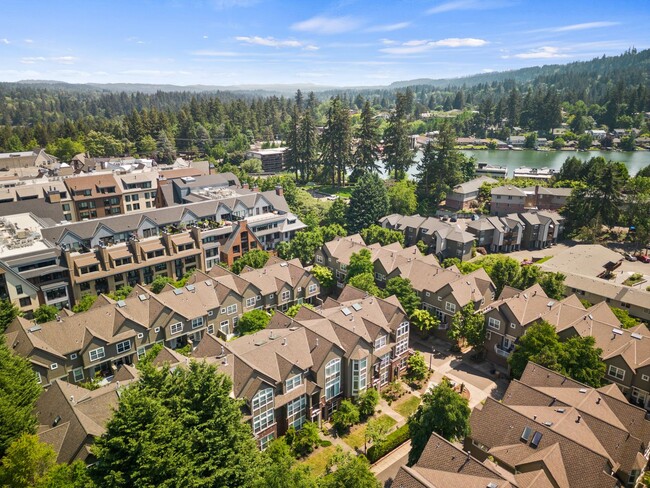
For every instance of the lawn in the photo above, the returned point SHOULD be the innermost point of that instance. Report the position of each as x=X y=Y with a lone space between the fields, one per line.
x=406 y=405
x=317 y=461
x=343 y=192
x=633 y=279
x=543 y=260
x=355 y=439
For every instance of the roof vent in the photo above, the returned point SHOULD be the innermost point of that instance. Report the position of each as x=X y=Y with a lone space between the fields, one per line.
x=525 y=297
x=582 y=390
x=548 y=424
x=598 y=401
x=36 y=328
x=142 y=297
x=617 y=331
x=346 y=311
x=57 y=419
x=284 y=341
x=121 y=303
x=208 y=283
x=550 y=304
x=178 y=291
x=636 y=335
x=578 y=419
x=560 y=410
x=271 y=336
x=492 y=484
x=284 y=265
x=356 y=306
x=591 y=317
x=190 y=288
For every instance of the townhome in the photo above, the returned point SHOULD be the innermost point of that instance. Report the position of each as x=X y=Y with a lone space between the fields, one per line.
x=139 y=190
x=497 y=234
x=443 y=239
x=45 y=197
x=463 y=196
x=95 y=196
x=507 y=200
x=544 y=198
x=549 y=430
x=106 y=253
x=443 y=465
x=299 y=369
x=189 y=189
x=625 y=352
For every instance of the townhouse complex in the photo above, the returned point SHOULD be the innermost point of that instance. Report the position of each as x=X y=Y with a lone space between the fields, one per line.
x=80 y=347
x=550 y=430
x=46 y=262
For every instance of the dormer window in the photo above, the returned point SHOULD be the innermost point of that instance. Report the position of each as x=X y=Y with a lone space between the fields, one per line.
x=380 y=342
x=293 y=382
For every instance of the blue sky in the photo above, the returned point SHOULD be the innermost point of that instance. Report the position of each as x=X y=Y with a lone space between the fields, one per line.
x=344 y=43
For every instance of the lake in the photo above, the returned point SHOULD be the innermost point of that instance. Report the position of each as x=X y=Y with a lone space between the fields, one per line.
x=550 y=159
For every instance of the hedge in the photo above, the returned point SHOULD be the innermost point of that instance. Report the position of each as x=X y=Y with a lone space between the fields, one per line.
x=393 y=440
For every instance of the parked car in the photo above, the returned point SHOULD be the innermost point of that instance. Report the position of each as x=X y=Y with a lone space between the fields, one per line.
x=643 y=258
x=629 y=257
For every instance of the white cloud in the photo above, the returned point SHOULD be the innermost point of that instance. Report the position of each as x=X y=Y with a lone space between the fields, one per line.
x=269 y=41
x=205 y=37
x=215 y=54
x=29 y=41
x=311 y=47
x=578 y=27
x=388 y=27
x=387 y=42
x=4 y=40
x=226 y=4
x=53 y=59
x=544 y=52
x=488 y=70
x=420 y=46
x=327 y=25
x=468 y=5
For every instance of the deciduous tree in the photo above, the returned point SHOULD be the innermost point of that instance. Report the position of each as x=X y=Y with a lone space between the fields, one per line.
x=255 y=258
x=253 y=321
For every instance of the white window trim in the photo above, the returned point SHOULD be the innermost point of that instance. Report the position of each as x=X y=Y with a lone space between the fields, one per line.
x=494 y=323
x=99 y=354
x=293 y=382
x=73 y=356
x=645 y=377
x=126 y=346
x=197 y=322
x=612 y=370
x=140 y=335
x=74 y=374
x=312 y=289
x=450 y=307
x=174 y=326
x=54 y=366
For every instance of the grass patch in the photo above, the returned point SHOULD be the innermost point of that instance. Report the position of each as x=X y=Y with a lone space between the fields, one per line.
x=543 y=260
x=633 y=279
x=406 y=406
x=317 y=461
x=341 y=191
x=355 y=439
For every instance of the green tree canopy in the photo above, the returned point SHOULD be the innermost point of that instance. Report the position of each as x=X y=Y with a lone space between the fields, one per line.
x=18 y=394
x=366 y=155
x=280 y=468
x=345 y=470
x=345 y=416
x=255 y=258
x=367 y=401
x=416 y=367
x=403 y=290
x=26 y=462
x=376 y=233
x=368 y=202
x=45 y=313
x=253 y=321
x=158 y=284
x=467 y=326
x=84 y=303
x=324 y=276
x=442 y=411
x=402 y=198
x=366 y=282
x=360 y=263
x=293 y=310
x=8 y=312
x=177 y=428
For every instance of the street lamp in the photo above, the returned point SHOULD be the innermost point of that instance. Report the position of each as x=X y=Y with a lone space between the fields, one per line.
x=433 y=350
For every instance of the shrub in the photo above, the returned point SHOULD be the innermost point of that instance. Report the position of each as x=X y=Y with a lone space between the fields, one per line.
x=393 y=440
x=392 y=392
x=345 y=416
x=325 y=443
x=367 y=402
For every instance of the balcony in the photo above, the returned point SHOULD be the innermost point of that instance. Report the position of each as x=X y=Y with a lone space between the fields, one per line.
x=502 y=352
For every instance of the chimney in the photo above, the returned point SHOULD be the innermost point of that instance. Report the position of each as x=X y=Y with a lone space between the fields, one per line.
x=578 y=419
x=71 y=398
x=256 y=189
x=598 y=401
x=284 y=341
x=245 y=186
x=279 y=191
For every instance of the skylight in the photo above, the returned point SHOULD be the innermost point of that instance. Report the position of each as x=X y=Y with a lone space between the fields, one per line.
x=178 y=291
x=525 y=435
x=346 y=311
x=536 y=438
x=356 y=306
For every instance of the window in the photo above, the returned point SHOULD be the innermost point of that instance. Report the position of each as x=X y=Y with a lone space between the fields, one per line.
x=488 y=335
x=494 y=323
x=266 y=440
x=380 y=342
x=156 y=330
x=223 y=310
x=286 y=295
x=427 y=294
x=312 y=289
x=54 y=366
x=319 y=259
x=402 y=346
x=78 y=374
x=296 y=412
x=439 y=299
x=645 y=377
x=25 y=302
x=39 y=380
x=196 y=323
x=250 y=302
x=450 y=307
x=140 y=335
x=615 y=372
x=359 y=375
x=263 y=415
x=332 y=379
x=96 y=354
x=223 y=326
x=177 y=328
x=293 y=382
x=19 y=289
x=402 y=329
x=123 y=346
x=380 y=277
x=343 y=267
x=231 y=309
x=73 y=356
x=141 y=352
x=513 y=326
x=210 y=313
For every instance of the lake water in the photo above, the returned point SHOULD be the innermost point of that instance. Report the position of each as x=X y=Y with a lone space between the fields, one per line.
x=550 y=159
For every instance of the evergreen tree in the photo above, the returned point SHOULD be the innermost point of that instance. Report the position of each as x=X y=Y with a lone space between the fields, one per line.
x=398 y=155
x=368 y=202
x=366 y=155
x=308 y=147
x=336 y=142
x=8 y=312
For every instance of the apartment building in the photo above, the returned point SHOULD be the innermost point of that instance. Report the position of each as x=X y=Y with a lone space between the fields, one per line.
x=139 y=190
x=443 y=239
x=465 y=195
x=104 y=254
x=45 y=197
x=190 y=189
x=273 y=160
x=549 y=430
x=299 y=369
x=26 y=159
x=95 y=196
x=507 y=200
